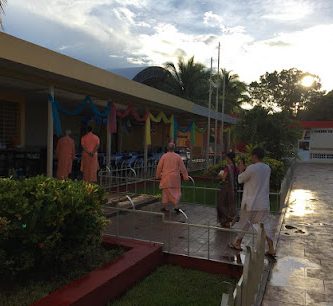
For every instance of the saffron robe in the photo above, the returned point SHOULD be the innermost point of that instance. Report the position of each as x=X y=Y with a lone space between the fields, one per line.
x=170 y=169
x=65 y=153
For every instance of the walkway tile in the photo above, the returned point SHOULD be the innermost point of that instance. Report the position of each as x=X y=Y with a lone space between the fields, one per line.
x=175 y=236
x=303 y=274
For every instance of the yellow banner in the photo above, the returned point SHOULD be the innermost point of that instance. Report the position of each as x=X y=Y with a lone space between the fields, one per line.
x=160 y=117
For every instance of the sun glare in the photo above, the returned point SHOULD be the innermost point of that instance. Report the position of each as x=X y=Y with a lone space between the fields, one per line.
x=307 y=81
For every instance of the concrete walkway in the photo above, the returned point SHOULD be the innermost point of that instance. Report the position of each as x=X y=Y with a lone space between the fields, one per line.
x=303 y=274
x=178 y=238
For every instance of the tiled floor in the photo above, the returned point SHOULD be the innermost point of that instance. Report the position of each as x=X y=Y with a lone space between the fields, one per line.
x=178 y=237
x=303 y=274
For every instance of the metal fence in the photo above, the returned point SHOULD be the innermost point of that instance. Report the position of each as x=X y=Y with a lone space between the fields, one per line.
x=286 y=183
x=247 y=288
x=136 y=180
x=177 y=237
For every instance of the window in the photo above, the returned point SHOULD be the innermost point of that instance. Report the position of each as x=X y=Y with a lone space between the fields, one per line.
x=322 y=131
x=9 y=124
x=321 y=156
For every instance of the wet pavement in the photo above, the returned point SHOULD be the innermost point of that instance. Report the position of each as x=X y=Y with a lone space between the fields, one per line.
x=303 y=274
x=179 y=238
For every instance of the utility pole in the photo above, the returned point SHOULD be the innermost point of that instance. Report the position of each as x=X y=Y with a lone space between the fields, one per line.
x=209 y=110
x=217 y=103
x=223 y=100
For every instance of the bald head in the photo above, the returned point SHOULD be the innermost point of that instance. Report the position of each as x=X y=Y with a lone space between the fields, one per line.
x=171 y=147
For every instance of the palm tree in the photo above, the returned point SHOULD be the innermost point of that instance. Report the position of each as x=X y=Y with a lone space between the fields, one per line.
x=189 y=80
x=235 y=91
x=2 y=6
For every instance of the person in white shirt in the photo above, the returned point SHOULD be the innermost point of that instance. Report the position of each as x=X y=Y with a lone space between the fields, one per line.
x=255 y=205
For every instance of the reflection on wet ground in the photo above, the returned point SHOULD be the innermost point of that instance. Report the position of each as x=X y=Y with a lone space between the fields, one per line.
x=303 y=274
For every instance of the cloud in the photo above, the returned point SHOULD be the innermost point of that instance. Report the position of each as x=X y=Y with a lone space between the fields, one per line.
x=212 y=20
x=277 y=43
x=308 y=50
x=263 y=36
x=288 y=10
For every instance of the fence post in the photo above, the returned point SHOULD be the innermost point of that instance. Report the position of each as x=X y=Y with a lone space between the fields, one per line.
x=245 y=284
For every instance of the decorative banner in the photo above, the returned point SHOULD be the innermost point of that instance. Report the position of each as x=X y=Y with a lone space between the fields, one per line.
x=148 y=131
x=160 y=117
x=56 y=108
x=192 y=128
x=56 y=117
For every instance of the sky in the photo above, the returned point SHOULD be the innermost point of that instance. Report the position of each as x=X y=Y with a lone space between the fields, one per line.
x=255 y=35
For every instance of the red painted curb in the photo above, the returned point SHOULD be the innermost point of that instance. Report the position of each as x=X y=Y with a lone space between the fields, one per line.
x=104 y=284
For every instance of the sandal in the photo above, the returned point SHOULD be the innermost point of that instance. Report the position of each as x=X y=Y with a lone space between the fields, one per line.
x=234 y=247
x=270 y=256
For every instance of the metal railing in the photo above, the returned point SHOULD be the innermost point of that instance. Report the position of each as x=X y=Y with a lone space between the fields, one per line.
x=177 y=237
x=286 y=183
x=137 y=180
x=248 y=286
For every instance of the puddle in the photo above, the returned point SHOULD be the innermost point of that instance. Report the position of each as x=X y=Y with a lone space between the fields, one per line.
x=290 y=267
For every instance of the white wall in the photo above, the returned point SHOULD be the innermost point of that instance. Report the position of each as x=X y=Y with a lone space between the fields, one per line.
x=322 y=139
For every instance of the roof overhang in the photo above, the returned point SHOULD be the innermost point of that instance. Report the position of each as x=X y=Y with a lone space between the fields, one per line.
x=31 y=63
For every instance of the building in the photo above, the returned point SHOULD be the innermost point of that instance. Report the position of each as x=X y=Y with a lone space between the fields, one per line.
x=33 y=77
x=316 y=144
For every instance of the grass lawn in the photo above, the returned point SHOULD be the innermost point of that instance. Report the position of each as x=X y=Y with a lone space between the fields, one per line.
x=22 y=292
x=175 y=286
x=205 y=192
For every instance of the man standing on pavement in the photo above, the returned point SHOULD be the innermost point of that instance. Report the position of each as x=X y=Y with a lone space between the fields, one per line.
x=255 y=206
x=89 y=160
x=169 y=170
x=65 y=153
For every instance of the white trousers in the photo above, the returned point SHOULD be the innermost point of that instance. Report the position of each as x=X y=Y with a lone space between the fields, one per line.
x=249 y=218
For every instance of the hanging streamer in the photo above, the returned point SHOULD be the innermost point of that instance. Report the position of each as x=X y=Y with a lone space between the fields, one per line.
x=192 y=128
x=55 y=116
x=148 y=131
x=160 y=117
x=100 y=117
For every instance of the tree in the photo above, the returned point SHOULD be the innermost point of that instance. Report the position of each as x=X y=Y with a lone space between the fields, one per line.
x=235 y=91
x=190 y=80
x=276 y=132
x=319 y=109
x=285 y=90
x=2 y=6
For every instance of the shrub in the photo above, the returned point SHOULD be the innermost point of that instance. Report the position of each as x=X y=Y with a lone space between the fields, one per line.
x=44 y=221
x=214 y=170
x=278 y=169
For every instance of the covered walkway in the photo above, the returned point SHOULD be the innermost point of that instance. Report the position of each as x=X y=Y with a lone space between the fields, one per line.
x=30 y=75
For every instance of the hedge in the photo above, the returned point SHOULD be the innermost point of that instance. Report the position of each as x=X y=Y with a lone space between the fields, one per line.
x=278 y=169
x=44 y=221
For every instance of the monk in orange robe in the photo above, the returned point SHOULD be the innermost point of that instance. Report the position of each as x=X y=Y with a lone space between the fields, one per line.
x=89 y=160
x=169 y=170
x=65 y=153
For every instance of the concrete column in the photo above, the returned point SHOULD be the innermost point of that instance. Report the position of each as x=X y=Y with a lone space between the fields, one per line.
x=50 y=136
x=108 y=143
x=120 y=135
x=145 y=151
